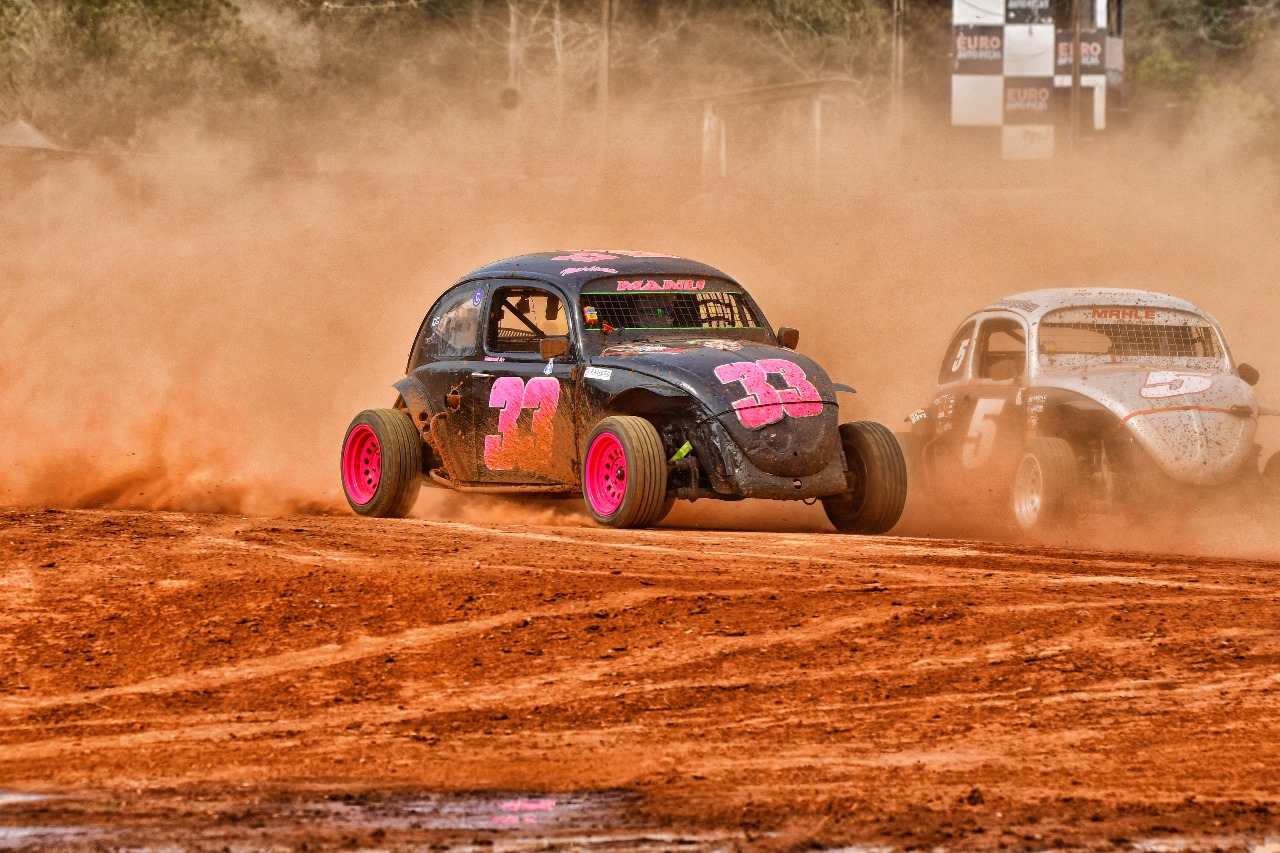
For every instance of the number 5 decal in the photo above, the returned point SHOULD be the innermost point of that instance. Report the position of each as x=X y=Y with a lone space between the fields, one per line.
x=982 y=432
x=765 y=404
x=508 y=449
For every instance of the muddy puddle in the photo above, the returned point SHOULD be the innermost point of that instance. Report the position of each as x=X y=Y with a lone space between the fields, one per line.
x=488 y=822
x=491 y=822
x=10 y=797
x=489 y=811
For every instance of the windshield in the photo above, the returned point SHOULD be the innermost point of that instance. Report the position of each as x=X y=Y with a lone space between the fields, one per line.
x=721 y=311
x=1080 y=337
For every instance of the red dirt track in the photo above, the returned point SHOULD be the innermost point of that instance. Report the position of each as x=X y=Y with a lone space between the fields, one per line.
x=214 y=681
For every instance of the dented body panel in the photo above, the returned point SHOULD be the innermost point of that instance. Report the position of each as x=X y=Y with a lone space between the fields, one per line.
x=1141 y=385
x=1201 y=437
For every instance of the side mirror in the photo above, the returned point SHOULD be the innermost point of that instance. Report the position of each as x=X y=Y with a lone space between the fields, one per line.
x=1248 y=373
x=788 y=337
x=550 y=348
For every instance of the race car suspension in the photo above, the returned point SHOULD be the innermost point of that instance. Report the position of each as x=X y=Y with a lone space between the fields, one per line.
x=681 y=461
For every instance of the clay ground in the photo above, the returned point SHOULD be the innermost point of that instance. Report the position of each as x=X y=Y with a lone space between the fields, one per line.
x=215 y=682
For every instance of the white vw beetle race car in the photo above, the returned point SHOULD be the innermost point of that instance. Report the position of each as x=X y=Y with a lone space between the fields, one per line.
x=1056 y=402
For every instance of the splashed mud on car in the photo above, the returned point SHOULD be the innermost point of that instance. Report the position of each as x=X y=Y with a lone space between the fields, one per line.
x=1055 y=403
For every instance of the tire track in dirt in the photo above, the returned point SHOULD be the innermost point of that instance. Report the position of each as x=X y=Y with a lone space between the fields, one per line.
x=546 y=687
x=866 y=686
x=885 y=547
x=316 y=657
x=581 y=683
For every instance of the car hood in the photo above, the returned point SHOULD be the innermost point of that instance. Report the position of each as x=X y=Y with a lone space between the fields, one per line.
x=1197 y=425
x=779 y=406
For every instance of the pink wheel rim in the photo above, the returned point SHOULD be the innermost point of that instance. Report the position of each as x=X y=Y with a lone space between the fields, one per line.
x=605 y=476
x=361 y=464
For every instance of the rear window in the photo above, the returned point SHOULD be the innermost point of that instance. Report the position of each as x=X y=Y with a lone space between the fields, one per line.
x=1124 y=333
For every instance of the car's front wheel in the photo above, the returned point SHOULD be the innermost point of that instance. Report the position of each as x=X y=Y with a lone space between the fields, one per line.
x=382 y=463
x=624 y=473
x=1045 y=484
x=877 y=480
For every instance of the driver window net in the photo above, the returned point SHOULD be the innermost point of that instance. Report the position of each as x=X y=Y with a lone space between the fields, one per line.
x=706 y=310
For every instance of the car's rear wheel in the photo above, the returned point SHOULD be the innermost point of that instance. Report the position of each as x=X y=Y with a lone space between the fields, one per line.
x=1045 y=484
x=877 y=481
x=382 y=463
x=624 y=473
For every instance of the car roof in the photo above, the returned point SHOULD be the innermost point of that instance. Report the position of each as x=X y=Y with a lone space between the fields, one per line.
x=1034 y=304
x=575 y=268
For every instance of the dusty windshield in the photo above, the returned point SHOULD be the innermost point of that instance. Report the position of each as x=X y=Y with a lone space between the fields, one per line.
x=672 y=314
x=1110 y=334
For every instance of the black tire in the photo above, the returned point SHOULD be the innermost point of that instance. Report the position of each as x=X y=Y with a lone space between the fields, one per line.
x=1045 y=484
x=920 y=512
x=394 y=491
x=877 y=481
x=1271 y=474
x=667 y=506
x=633 y=494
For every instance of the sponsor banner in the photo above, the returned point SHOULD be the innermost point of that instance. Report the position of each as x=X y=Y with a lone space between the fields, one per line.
x=1028 y=12
x=977 y=100
x=661 y=284
x=977 y=12
x=1093 y=52
x=1030 y=100
x=1115 y=63
x=1026 y=142
x=1117 y=315
x=1028 y=50
x=979 y=50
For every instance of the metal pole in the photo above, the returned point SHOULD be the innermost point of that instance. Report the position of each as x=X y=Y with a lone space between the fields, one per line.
x=602 y=91
x=513 y=48
x=817 y=140
x=1075 y=75
x=897 y=65
x=722 y=128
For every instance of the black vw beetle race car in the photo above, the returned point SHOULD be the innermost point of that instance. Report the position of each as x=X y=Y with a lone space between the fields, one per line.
x=633 y=378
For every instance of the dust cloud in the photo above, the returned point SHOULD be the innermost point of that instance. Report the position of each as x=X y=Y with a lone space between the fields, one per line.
x=192 y=324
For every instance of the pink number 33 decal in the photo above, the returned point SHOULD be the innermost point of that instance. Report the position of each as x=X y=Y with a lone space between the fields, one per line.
x=766 y=404
x=509 y=449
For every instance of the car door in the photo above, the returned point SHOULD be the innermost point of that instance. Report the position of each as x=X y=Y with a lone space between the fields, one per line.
x=525 y=432
x=445 y=354
x=989 y=407
x=944 y=476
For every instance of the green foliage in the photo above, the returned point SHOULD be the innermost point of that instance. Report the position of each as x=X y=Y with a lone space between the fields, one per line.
x=825 y=36
x=1239 y=103
x=95 y=68
x=1161 y=75
x=85 y=70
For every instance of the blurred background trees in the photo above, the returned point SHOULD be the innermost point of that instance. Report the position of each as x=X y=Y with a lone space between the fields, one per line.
x=90 y=71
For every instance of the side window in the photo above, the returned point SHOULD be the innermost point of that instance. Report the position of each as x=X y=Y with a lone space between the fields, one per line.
x=957 y=356
x=1002 y=350
x=453 y=328
x=520 y=317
